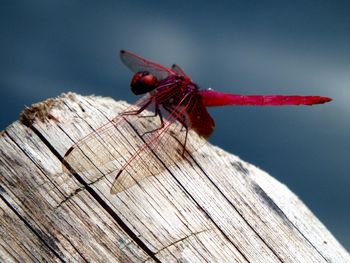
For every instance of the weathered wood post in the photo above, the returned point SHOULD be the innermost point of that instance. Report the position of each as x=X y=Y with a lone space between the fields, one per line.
x=216 y=209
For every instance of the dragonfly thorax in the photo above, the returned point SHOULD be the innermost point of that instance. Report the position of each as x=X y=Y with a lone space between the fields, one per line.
x=143 y=82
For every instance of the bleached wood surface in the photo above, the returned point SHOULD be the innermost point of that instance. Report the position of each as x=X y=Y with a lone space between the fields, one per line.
x=218 y=209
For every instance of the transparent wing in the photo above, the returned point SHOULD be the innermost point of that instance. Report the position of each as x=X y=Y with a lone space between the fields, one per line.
x=176 y=68
x=161 y=149
x=123 y=147
x=137 y=64
x=99 y=151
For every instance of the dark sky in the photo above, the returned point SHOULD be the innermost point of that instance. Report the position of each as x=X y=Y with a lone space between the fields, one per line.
x=252 y=47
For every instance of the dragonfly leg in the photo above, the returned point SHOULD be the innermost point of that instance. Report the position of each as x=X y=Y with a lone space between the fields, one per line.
x=159 y=113
x=138 y=111
x=181 y=118
x=156 y=111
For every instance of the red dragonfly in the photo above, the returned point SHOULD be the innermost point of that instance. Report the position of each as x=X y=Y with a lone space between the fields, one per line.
x=181 y=126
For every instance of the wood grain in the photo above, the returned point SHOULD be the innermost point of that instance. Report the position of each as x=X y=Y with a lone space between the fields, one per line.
x=212 y=208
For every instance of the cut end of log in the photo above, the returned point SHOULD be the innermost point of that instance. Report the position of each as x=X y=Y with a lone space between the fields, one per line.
x=213 y=206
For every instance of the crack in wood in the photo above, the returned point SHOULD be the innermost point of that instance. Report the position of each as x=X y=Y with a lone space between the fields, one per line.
x=46 y=240
x=183 y=238
x=108 y=209
x=274 y=207
x=243 y=218
x=198 y=205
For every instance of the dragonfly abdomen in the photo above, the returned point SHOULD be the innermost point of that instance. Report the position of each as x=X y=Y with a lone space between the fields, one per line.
x=214 y=98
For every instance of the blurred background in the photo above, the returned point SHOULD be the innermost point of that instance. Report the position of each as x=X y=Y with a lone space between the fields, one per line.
x=255 y=47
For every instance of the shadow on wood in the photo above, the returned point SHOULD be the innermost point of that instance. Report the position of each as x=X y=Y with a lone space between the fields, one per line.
x=216 y=208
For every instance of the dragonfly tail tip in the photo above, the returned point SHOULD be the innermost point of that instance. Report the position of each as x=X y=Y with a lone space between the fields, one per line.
x=325 y=99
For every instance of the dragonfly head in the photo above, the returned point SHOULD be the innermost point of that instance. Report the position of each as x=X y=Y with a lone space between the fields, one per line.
x=143 y=82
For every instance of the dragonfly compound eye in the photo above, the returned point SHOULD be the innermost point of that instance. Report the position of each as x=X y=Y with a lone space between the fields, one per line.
x=143 y=82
